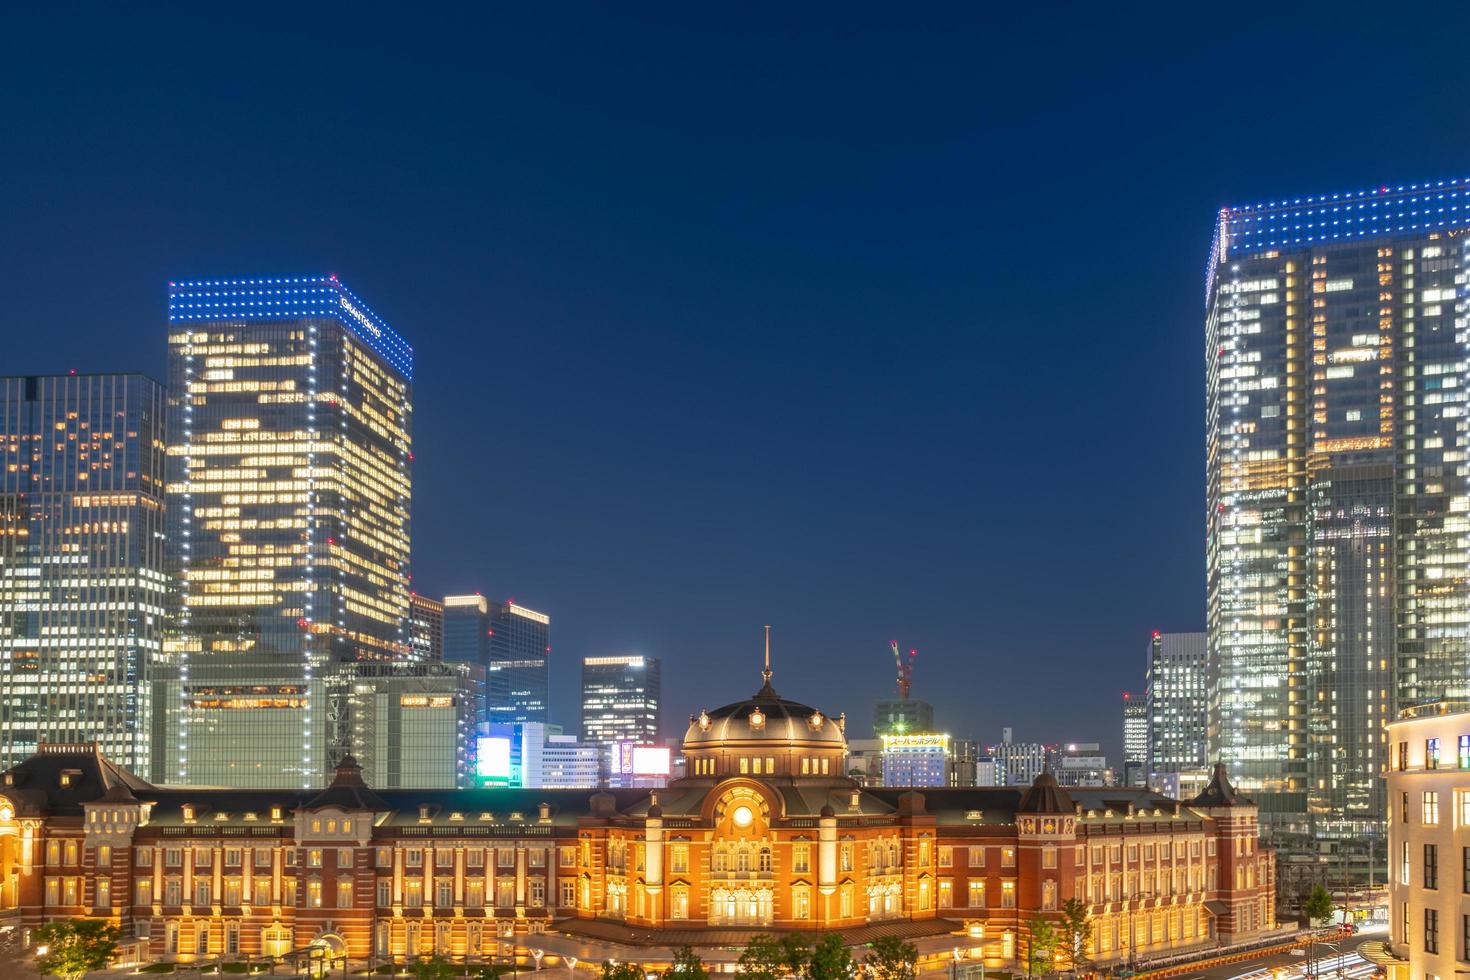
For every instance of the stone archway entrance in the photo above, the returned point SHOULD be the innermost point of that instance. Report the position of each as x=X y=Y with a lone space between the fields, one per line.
x=323 y=954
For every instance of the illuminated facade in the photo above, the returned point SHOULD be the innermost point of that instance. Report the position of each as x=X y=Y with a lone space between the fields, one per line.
x=289 y=488
x=1017 y=763
x=1428 y=786
x=620 y=699
x=519 y=664
x=920 y=759
x=765 y=832
x=1178 y=701
x=425 y=628
x=1135 y=740
x=1337 y=499
x=83 y=580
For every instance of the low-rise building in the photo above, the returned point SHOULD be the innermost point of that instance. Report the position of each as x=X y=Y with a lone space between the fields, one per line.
x=765 y=831
x=1428 y=783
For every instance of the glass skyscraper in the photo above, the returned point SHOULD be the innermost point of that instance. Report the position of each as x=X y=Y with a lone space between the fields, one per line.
x=620 y=699
x=520 y=657
x=83 y=580
x=289 y=488
x=1337 y=500
x=466 y=633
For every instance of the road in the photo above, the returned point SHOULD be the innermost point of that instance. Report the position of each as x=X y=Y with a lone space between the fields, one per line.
x=1353 y=966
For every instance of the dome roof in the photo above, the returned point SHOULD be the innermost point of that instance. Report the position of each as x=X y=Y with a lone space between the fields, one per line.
x=765 y=717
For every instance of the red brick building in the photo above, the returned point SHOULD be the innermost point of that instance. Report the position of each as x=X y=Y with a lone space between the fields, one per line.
x=764 y=834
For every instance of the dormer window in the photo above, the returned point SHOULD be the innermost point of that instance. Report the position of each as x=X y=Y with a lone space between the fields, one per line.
x=70 y=777
x=276 y=813
x=545 y=811
x=516 y=815
x=757 y=720
x=487 y=816
x=816 y=720
x=221 y=816
x=250 y=816
x=456 y=815
x=423 y=813
x=10 y=779
x=188 y=810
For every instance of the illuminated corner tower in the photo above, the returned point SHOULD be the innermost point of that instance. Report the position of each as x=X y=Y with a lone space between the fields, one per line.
x=1337 y=498
x=83 y=581
x=289 y=487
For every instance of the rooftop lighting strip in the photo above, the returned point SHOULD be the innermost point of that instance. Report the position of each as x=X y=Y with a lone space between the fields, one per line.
x=1380 y=212
x=289 y=298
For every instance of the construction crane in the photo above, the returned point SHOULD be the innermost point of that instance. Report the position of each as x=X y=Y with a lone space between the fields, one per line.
x=905 y=669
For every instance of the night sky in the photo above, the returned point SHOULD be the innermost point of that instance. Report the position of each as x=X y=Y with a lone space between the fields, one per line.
x=865 y=322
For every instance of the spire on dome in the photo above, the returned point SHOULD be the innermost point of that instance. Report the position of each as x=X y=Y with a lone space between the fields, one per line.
x=767 y=691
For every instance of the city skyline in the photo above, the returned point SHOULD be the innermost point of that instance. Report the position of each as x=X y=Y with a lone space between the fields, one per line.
x=736 y=323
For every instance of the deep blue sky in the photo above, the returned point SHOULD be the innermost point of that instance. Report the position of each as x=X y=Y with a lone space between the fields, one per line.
x=863 y=322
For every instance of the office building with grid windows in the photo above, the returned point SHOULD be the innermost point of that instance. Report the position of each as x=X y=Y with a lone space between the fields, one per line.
x=620 y=699
x=83 y=579
x=289 y=488
x=1177 y=699
x=1337 y=500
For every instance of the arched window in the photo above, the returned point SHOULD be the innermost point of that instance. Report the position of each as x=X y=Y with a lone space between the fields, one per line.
x=765 y=858
x=679 y=902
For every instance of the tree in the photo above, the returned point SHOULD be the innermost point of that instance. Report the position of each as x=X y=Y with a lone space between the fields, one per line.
x=1318 y=906
x=829 y=959
x=433 y=967
x=1044 y=939
x=687 y=966
x=1076 y=930
x=768 y=958
x=76 y=946
x=763 y=958
x=621 y=971
x=890 y=958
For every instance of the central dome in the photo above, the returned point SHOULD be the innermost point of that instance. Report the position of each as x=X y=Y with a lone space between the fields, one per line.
x=766 y=717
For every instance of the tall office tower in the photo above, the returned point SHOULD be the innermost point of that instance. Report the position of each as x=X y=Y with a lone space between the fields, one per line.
x=1177 y=699
x=620 y=699
x=83 y=579
x=1135 y=740
x=896 y=716
x=520 y=654
x=425 y=629
x=467 y=647
x=1337 y=499
x=1016 y=763
x=289 y=487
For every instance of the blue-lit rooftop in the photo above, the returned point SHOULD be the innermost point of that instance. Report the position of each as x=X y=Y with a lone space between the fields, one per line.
x=1383 y=211
x=289 y=299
